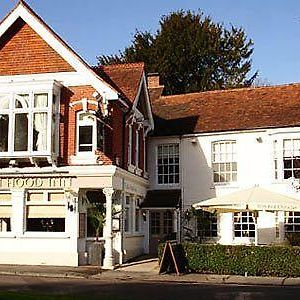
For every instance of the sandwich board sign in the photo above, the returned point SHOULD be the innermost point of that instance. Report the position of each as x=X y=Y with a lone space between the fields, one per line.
x=173 y=259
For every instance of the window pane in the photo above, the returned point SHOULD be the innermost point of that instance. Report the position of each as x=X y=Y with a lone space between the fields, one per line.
x=4 y=101
x=287 y=163
x=45 y=224
x=4 y=123
x=168 y=164
x=40 y=100
x=21 y=132
x=40 y=121
x=287 y=174
x=22 y=101
x=5 y=225
x=85 y=138
x=224 y=161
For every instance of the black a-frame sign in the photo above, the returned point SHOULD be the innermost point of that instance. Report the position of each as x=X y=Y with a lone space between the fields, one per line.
x=173 y=259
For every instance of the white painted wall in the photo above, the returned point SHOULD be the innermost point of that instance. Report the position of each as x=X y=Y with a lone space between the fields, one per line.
x=255 y=164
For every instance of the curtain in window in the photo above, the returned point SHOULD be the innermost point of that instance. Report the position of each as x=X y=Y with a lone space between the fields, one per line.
x=40 y=123
x=21 y=122
x=4 y=101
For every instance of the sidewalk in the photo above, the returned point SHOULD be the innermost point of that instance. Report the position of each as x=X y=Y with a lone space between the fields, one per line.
x=145 y=271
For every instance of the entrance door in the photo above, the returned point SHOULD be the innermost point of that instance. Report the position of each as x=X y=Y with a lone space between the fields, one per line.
x=161 y=228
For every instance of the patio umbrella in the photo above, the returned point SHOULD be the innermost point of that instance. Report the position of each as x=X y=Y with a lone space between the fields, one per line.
x=253 y=199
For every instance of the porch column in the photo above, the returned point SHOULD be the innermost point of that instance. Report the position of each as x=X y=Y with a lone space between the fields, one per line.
x=108 y=262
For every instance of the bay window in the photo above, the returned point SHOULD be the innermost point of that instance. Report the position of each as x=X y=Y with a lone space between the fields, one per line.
x=29 y=121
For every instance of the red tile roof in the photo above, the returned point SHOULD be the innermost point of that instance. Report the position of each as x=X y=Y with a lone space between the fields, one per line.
x=227 y=110
x=125 y=78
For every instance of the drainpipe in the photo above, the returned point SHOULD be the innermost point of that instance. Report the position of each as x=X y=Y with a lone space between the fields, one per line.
x=181 y=181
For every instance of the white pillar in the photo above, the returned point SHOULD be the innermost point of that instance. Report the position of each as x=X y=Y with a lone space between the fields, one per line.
x=225 y=228
x=146 y=230
x=18 y=207
x=72 y=216
x=108 y=262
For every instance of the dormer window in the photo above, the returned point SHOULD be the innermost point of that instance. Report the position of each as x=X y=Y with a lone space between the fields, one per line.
x=90 y=135
x=29 y=121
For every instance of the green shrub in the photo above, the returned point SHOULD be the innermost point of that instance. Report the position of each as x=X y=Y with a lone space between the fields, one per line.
x=282 y=261
x=293 y=238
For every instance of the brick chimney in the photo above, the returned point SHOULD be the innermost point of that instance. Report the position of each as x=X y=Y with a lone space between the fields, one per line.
x=155 y=89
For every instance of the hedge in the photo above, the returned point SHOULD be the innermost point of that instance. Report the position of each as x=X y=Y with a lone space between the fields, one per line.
x=282 y=261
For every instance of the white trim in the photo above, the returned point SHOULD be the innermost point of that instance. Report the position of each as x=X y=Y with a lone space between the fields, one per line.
x=129 y=156
x=32 y=88
x=68 y=79
x=169 y=185
x=53 y=41
x=148 y=105
x=82 y=123
x=137 y=148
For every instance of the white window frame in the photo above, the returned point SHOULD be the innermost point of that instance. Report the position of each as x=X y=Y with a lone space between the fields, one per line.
x=278 y=158
x=129 y=160
x=174 y=174
x=222 y=163
x=90 y=122
x=137 y=148
x=128 y=214
x=10 y=204
x=211 y=231
x=290 y=219
x=145 y=152
x=45 y=202
x=137 y=216
x=292 y=157
x=245 y=233
x=52 y=89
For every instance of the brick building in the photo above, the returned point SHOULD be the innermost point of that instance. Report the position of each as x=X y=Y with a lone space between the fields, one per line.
x=71 y=137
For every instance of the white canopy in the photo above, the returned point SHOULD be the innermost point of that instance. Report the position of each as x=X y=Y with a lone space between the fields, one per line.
x=253 y=199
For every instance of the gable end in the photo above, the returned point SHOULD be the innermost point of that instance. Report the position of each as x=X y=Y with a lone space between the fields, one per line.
x=23 y=51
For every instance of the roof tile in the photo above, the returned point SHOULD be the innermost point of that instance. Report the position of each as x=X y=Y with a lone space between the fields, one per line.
x=227 y=110
x=125 y=78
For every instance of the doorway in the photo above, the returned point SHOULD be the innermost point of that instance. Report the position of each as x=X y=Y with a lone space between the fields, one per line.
x=161 y=228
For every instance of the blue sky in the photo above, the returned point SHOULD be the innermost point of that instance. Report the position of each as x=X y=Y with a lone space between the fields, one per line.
x=94 y=27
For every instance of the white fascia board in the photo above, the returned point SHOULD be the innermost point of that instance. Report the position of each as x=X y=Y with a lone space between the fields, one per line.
x=88 y=171
x=66 y=78
x=222 y=133
x=132 y=177
x=75 y=61
x=135 y=103
x=25 y=86
x=282 y=130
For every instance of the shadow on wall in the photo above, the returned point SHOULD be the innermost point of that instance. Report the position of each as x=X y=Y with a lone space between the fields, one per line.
x=197 y=173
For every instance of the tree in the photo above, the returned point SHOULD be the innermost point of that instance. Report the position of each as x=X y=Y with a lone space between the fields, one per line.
x=191 y=53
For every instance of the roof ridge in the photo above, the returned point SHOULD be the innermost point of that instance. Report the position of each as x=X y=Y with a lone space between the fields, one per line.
x=233 y=90
x=122 y=65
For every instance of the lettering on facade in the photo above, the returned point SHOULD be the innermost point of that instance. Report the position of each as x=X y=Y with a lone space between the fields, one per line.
x=35 y=182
